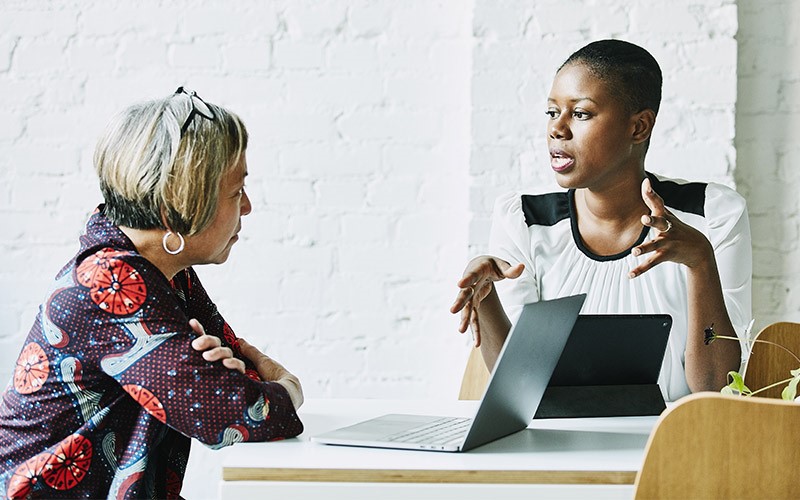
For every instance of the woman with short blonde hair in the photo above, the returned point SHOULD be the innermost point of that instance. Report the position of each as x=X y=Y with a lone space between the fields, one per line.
x=148 y=162
x=128 y=357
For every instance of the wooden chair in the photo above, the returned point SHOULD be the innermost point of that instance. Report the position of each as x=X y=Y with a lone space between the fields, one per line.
x=709 y=445
x=475 y=378
x=768 y=363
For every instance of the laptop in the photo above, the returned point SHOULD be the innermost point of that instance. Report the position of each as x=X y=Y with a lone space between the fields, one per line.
x=609 y=368
x=516 y=385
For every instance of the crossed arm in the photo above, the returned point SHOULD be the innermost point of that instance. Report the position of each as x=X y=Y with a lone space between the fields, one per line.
x=268 y=369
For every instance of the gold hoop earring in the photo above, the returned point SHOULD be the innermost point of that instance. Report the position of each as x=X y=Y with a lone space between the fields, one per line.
x=166 y=248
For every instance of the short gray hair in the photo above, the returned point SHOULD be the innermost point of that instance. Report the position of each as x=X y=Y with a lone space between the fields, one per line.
x=152 y=176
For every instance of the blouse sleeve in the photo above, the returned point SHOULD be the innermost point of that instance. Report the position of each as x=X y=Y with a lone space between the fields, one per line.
x=509 y=239
x=148 y=351
x=729 y=234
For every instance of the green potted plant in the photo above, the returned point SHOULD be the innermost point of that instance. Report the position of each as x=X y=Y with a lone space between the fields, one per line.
x=736 y=384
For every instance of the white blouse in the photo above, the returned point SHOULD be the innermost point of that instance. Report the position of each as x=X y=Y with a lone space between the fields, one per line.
x=540 y=231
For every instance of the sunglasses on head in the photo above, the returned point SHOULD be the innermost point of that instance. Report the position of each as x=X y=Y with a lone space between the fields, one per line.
x=199 y=107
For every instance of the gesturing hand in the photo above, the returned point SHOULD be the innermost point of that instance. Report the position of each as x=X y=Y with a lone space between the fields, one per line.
x=211 y=347
x=676 y=241
x=476 y=284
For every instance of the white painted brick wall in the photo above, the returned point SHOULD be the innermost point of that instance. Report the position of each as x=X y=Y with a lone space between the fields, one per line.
x=381 y=133
x=359 y=115
x=768 y=146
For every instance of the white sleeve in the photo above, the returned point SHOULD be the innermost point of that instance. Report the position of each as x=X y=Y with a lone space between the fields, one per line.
x=729 y=234
x=509 y=239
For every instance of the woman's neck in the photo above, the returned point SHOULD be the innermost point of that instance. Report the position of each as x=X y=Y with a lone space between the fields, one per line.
x=616 y=203
x=609 y=218
x=148 y=244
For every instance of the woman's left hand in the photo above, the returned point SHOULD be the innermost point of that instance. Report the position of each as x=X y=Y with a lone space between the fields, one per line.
x=272 y=371
x=675 y=242
x=211 y=347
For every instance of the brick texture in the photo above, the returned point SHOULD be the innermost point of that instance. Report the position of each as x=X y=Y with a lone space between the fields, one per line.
x=768 y=145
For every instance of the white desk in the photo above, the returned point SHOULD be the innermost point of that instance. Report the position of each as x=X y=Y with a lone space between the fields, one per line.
x=564 y=458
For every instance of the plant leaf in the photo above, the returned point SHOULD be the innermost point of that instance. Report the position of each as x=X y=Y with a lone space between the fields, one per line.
x=737 y=383
x=790 y=391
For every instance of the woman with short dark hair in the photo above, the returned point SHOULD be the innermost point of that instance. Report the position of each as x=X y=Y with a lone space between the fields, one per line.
x=634 y=241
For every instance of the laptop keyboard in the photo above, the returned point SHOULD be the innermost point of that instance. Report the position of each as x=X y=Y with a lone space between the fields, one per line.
x=442 y=431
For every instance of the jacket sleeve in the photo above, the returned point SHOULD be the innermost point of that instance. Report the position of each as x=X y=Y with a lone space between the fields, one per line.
x=149 y=354
x=201 y=307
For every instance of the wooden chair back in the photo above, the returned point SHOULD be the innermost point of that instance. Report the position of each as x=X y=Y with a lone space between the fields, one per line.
x=714 y=446
x=475 y=378
x=769 y=363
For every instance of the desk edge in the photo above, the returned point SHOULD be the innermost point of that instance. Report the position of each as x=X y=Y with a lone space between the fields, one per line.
x=429 y=476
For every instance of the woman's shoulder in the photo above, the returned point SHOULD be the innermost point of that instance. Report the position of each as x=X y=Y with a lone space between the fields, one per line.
x=706 y=199
x=119 y=281
x=541 y=209
x=724 y=198
x=104 y=262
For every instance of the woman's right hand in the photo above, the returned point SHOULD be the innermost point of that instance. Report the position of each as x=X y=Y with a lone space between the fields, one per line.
x=211 y=348
x=272 y=371
x=476 y=284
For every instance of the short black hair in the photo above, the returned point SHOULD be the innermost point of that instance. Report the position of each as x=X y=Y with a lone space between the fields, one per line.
x=631 y=72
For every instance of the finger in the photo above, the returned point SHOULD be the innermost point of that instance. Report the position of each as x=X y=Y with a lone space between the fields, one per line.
x=465 y=318
x=652 y=199
x=661 y=223
x=205 y=342
x=481 y=269
x=646 y=247
x=469 y=279
x=234 y=364
x=513 y=272
x=475 y=326
x=217 y=354
x=197 y=327
x=249 y=351
x=245 y=348
x=463 y=297
x=497 y=269
x=650 y=263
